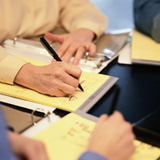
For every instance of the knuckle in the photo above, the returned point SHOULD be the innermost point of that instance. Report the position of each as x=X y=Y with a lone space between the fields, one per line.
x=58 y=74
x=42 y=145
x=72 y=90
x=79 y=71
x=76 y=83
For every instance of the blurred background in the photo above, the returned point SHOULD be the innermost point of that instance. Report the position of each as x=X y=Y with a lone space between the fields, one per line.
x=118 y=12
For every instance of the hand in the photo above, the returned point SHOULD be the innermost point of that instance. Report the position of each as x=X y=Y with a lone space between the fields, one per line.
x=26 y=148
x=55 y=79
x=74 y=43
x=112 y=137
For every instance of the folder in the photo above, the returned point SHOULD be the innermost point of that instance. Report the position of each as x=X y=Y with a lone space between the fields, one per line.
x=144 y=50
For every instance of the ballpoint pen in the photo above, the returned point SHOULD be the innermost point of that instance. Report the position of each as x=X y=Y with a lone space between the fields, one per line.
x=53 y=54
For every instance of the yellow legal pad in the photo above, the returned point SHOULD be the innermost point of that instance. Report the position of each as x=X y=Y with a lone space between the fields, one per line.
x=144 y=49
x=68 y=138
x=91 y=83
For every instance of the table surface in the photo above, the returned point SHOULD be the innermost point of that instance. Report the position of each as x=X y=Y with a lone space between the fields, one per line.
x=139 y=95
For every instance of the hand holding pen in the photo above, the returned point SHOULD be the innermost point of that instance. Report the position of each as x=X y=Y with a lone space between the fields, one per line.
x=55 y=56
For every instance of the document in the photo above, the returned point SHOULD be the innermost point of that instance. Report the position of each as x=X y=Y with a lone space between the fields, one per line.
x=68 y=139
x=144 y=49
x=94 y=85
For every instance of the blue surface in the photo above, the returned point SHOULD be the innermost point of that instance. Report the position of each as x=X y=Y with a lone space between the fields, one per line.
x=139 y=91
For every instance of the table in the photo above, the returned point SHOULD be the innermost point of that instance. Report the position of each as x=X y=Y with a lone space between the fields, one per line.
x=139 y=95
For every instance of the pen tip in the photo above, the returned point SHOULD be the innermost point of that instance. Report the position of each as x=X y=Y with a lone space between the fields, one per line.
x=80 y=87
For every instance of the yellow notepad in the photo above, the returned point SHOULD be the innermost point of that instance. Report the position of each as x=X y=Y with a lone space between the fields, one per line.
x=144 y=49
x=93 y=85
x=68 y=139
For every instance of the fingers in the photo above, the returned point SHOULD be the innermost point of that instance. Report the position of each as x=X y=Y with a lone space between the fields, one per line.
x=73 y=71
x=26 y=148
x=63 y=79
x=102 y=118
x=73 y=44
x=67 y=51
x=54 y=38
x=116 y=140
x=63 y=85
x=92 y=49
x=80 y=51
x=35 y=150
x=55 y=79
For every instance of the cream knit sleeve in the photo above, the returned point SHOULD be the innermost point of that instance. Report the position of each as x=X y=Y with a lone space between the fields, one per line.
x=9 y=66
x=75 y=14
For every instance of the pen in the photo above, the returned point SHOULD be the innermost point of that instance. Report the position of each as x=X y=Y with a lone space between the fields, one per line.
x=53 y=54
x=114 y=100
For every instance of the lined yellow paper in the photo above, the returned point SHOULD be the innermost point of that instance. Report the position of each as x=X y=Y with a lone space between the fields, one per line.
x=144 y=48
x=68 y=139
x=92 y=82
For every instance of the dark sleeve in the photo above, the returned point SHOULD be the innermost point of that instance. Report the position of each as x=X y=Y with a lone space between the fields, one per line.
x=5 y=150
x=147 y=17
x=89 y=155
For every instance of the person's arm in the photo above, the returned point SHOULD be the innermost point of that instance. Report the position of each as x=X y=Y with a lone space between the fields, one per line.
x=112 y=138
x=147 y=17
x=55 y=79
x=9 y=66
x=14 y=146
x=77 y=14
x=5 y=150
x=85 y=23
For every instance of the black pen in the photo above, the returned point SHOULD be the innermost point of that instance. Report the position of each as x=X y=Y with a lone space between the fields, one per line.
x=114 y=100
x=53 y=54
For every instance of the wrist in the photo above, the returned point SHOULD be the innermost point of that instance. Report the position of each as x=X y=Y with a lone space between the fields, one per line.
x=87 y=33
x=22 y=77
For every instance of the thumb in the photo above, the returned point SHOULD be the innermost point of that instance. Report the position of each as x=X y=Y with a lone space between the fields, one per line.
x=102 y=118
x=53 y=37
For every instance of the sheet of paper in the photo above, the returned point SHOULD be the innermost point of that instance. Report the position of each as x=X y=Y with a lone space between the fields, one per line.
x=91 y=82
x=144 y=48
x=125 y=55
x=68 y=139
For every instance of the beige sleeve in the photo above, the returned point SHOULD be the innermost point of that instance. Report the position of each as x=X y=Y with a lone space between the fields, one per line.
x=75 y=14
x=9 y=66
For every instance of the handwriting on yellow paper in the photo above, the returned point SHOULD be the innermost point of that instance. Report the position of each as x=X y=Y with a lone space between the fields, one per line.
x=92 y=82
x=69 y=137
